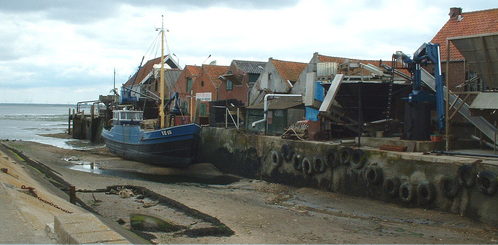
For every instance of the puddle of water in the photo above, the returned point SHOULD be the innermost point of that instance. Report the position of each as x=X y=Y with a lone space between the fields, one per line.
x=169 y=179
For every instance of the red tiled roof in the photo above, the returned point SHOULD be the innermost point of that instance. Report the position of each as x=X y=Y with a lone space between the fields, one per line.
x=472 y=23
x=143 y=72
x=289 y=70
x=214 y=71
x=194 y=70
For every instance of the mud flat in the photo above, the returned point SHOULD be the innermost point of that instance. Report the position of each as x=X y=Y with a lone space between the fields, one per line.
x=201 y=205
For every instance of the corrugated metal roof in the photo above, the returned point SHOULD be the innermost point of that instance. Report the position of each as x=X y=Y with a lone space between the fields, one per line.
x=485 y=101
x=254 y=67
x=279 y=103
x=481 y=53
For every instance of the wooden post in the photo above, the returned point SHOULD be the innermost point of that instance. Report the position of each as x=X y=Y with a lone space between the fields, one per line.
x=72 y=194
x=69 y=122
x=447 y=94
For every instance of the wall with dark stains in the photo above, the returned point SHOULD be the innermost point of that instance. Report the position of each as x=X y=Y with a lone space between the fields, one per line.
x=412 y=179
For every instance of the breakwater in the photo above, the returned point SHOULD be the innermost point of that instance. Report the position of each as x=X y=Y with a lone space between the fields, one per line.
x=462 y=185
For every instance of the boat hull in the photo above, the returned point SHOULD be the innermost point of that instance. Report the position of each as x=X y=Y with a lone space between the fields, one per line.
x=176 y=146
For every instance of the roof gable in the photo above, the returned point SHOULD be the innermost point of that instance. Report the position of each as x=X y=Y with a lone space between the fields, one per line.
x=289 y=70
x=470 y=23
x=213 y=72
x=193 y=70
x=143 y=71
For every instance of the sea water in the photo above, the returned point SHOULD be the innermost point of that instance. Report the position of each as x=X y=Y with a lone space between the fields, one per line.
x=32 y=122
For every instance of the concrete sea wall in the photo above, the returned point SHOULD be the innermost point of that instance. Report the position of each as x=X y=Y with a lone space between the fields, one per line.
x=462 y=185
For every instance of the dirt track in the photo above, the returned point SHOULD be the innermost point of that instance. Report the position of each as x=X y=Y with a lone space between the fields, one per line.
x=256 y=211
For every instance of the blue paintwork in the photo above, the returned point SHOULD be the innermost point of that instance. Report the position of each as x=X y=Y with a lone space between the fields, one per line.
x=175 y=146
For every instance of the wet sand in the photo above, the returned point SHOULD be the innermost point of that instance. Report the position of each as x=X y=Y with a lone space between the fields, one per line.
x=256 y=211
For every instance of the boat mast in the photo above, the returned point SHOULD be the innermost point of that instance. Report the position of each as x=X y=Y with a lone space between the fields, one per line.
x=161 y=75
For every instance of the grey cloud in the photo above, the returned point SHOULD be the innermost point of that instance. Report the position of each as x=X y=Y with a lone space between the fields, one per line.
x=90 y=11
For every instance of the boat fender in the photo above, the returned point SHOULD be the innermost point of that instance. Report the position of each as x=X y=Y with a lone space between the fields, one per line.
x=345 y=155
x=307 y=167
x=296 y=162
x=373 y=175
x=449 y=186
x=319 y=164
x=276 y=158
x=466 y=175
x=287 y=152
x=426 y=193
x=391 y=186
x=486 y=181
x=406 y=192
x=332 y=158
x=358 y=159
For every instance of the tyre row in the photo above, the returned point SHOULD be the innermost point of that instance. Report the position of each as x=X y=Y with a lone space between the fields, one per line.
x=424 y=192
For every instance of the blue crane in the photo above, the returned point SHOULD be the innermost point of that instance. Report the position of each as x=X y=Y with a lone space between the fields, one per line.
x=427 y=53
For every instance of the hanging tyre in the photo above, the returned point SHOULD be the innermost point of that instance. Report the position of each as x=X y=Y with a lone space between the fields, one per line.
x=307 y=166
x=373 y=175
x=345 y=155
x=406 y=192
x=319 y=164
x=358 y=159
x=449 y=186
x=426 y=193
x=486 y=181
x=276 y=158
x=332 y=158
x=287 y=152
x=466 y=175
x=391 y=186
x=296 y=162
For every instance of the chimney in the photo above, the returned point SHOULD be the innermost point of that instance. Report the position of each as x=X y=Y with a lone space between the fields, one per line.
x=455 y=13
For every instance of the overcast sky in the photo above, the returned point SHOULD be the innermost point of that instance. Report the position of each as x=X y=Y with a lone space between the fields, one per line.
x=63 y=51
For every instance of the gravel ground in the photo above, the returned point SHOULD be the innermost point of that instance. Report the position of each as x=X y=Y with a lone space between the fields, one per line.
x=255 y=211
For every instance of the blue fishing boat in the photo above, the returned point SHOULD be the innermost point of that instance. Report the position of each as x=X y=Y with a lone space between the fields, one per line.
x=175 y=146
x=165 y=141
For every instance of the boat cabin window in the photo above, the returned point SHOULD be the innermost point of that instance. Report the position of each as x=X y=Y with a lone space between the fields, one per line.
x=128 y=115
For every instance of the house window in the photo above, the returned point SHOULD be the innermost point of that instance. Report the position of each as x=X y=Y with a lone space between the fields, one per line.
x=189 y=84
x=202 y=83
x=229 y=85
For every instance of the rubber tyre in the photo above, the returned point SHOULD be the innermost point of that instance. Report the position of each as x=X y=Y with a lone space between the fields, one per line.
x=332 y=158
x=373 y=175
x=345 y=154
x=486 y=181
x=406 y=192
x=276 y=158
x=319 y=164
x=287 y=152
x=466 y=176
x=307 y=166
x=358 y=159
x=296 y=162
x=391 y=186
x=449 y=186
x=426 y=193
